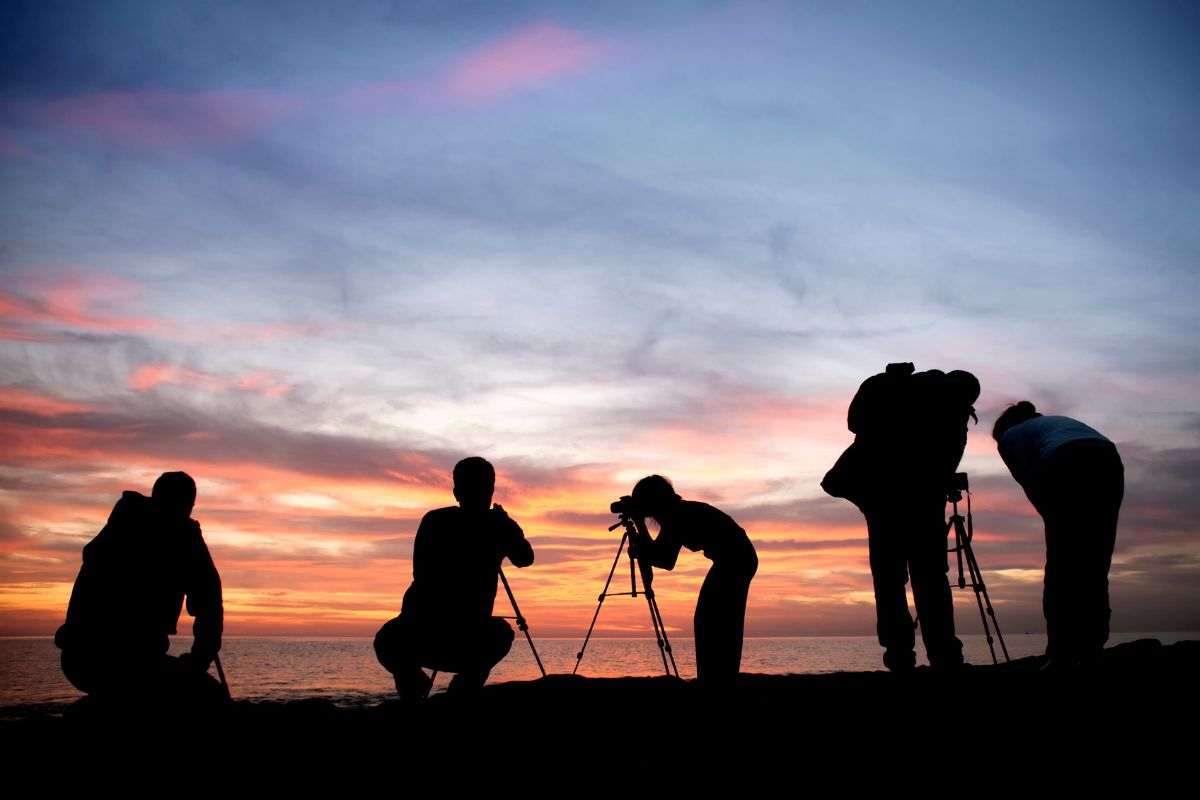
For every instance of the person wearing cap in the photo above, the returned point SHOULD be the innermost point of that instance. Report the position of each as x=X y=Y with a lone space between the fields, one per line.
x=125 y=604
x=910 y=434
x=1074 y=477
x=720 y=616
x=446 y=621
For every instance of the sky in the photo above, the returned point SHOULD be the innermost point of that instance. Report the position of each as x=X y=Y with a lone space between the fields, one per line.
x=314 y=258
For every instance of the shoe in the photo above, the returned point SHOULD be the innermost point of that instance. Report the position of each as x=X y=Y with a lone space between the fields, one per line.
x=900 y=661
x=415 y=688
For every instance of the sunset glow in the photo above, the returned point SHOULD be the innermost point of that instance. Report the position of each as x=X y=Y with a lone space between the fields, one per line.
x=587 y=246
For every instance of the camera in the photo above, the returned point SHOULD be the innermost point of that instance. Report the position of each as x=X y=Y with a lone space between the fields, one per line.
x=956 y=486
x=626 y=507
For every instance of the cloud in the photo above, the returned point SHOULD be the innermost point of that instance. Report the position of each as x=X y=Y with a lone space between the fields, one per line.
x=157 y=119
x=160 y=119
x=529 y=56
x=71 y=298
x=265 y=382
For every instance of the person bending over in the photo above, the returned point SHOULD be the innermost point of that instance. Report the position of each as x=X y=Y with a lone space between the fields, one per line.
x=721 y=607
x=1074 y=477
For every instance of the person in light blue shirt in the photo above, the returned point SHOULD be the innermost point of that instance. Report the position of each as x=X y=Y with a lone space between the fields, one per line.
x=1074 y=477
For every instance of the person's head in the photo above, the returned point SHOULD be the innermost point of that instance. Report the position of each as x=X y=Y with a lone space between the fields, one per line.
x=964 y=385
x=1013 y=415
x=175 y=494
x=474 y=483
x=654 y=495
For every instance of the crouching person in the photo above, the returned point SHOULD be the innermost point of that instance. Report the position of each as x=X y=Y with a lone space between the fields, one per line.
x=446 y=621
x=127 y=598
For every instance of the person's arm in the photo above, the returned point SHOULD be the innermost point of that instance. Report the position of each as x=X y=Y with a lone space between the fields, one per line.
x=423 y=557
x=662 y=552
x=82 y=598
x=204 y=600
x=514 y=545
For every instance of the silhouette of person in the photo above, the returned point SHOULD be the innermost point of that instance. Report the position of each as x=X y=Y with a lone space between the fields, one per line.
x=910 y=433
x=129 y=593
x=446 y=620
x=720 y=616
x=1075 y=479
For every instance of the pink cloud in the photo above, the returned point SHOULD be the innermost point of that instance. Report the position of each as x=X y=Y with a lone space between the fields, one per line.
x=42 y=405
x=70 y=298
x=160 y=119
x=529 y=56
x=150 y=376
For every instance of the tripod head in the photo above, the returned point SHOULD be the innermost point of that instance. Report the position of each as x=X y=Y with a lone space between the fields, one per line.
x=958 y=484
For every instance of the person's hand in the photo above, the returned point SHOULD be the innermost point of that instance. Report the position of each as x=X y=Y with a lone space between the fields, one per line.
x=193 y=662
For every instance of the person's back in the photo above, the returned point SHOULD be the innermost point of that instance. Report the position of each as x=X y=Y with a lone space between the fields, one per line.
x=1026 y=448
x=699 y=526
x=910 y=429
x=456 y=561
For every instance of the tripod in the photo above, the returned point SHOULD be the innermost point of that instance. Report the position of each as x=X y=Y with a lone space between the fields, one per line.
x=629 y=537
x=522 y=625
x=964 y=532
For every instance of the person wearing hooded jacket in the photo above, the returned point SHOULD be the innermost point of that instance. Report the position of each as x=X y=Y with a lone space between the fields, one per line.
x=137 y=573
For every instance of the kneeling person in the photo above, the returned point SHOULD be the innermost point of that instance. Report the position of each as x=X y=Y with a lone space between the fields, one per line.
x=446 y=621
x=126 y=602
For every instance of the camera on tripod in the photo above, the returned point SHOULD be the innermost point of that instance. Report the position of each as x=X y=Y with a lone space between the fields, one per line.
x=956 y=486
x=627 y=507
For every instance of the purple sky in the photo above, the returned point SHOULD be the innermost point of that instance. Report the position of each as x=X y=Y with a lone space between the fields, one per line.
x=311 y=255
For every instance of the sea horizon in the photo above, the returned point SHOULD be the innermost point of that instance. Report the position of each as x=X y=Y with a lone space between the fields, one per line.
x=343 y=668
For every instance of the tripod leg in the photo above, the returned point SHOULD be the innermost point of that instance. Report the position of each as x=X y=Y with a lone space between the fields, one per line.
x=955 y=524
x=603 y=594
x=661 y=628
x=521 y=623
x=655 y=623
x=986 y=601
x=980 y=591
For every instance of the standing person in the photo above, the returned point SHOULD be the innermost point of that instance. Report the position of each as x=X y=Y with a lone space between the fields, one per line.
x=720 y=616
x=127 y=598
x=910 y=433
x=446 y=620
x=1074 y=477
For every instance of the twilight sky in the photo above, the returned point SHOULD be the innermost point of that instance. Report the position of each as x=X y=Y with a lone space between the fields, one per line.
x=315 y=257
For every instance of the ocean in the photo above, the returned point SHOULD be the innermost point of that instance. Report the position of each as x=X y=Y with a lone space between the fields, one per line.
x=345 y=669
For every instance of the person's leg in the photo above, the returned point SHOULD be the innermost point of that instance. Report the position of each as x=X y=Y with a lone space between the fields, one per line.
x=889 y=575
x=184 y=685
x=929 y=565
x=483 y=650
x=719 y=624
x=398 y=650
x=82 y=670
x=1090 y=490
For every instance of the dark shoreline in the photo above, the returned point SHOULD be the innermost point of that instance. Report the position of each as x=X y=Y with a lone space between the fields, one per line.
x=1142 y=679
